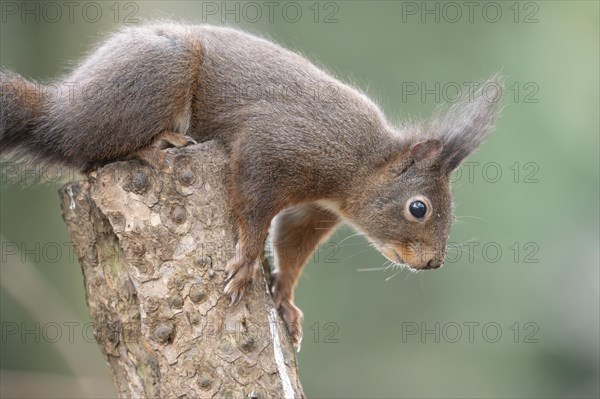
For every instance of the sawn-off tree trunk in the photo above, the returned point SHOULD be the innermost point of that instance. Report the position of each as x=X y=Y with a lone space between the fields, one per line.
x=153 y=245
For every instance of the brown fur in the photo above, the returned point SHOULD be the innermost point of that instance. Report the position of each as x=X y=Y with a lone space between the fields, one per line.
x=302 y=144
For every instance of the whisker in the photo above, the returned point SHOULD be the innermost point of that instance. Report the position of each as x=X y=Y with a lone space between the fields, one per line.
x=350 y=236
x=349 y=244
x=393 y=275
x=372 y=269
x=393 y=266
x=471 y=217
x=412 y=273
x=357 y=253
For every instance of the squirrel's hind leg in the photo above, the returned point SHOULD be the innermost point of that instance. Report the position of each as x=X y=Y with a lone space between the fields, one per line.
x=296 y=232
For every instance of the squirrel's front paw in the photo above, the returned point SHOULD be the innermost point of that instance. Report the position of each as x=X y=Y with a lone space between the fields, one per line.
x=293 y=320
x=240 y=274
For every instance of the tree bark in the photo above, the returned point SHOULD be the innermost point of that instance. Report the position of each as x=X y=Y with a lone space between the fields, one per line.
x=153 y=245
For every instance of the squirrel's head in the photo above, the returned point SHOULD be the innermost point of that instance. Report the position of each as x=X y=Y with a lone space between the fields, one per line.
x=405 y=207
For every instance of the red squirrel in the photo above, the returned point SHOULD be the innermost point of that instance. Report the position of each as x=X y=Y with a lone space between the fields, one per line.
x=310 y=153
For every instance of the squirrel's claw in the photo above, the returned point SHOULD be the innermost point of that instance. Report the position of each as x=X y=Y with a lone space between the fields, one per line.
x=240 y=274
x=234 y=299
x=235 y=291
x=190 y=140
x=292 y=316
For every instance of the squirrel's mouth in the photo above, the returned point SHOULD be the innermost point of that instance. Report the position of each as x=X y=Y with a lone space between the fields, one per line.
x=393 y=255
x=406 y=254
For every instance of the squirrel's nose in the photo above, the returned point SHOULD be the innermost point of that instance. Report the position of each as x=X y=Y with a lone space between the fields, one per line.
x=433 y=264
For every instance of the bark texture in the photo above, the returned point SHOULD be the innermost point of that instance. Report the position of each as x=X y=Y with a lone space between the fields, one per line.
x=153 y=245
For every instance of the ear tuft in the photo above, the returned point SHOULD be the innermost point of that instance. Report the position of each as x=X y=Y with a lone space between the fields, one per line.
x=426 y=151
x=466 y=124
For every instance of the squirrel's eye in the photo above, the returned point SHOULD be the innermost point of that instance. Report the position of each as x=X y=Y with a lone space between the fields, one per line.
x=418 y=209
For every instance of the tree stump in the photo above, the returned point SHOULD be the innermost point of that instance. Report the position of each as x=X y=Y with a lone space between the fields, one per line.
x=153 y=245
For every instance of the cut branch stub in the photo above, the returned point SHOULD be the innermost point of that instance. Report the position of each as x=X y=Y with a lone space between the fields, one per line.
x=153 y=245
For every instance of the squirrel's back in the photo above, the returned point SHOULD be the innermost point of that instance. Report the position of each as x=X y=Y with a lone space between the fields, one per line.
x=203 y=81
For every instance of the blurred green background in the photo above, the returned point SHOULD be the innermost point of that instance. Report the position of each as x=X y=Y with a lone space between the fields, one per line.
x=515 y=311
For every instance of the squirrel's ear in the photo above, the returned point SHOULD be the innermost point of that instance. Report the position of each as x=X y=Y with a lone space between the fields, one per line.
x=426 y=150
x=466 y=124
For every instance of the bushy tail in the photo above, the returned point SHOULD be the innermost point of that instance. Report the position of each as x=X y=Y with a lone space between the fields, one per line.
x=21 y=107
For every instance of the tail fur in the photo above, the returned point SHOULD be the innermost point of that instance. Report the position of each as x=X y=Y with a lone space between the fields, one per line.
x=21 y=107
x=137 y=84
